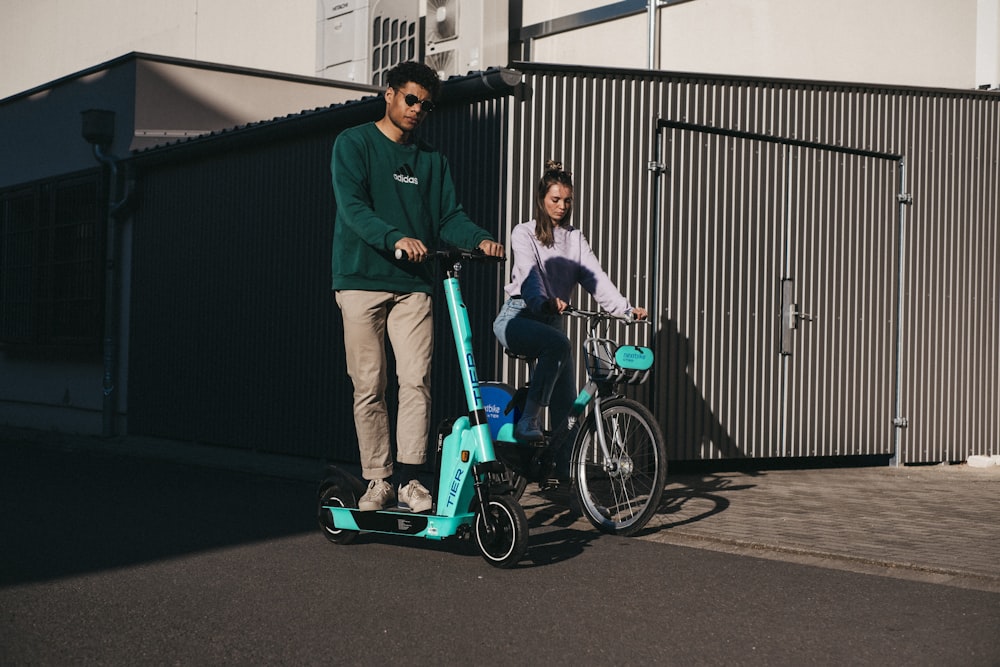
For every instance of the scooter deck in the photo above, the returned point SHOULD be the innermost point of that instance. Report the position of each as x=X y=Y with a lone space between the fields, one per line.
x=399 y=522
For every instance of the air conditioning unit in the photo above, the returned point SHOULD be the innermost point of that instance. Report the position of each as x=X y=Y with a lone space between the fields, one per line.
x=361 y=40
x=462 y=36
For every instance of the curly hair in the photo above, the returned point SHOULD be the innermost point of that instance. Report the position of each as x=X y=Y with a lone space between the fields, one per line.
x=553 y=175
x=414 y=72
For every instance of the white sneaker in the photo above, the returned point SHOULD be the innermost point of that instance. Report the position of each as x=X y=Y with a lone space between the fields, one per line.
x=378 y=496
x=415 y=497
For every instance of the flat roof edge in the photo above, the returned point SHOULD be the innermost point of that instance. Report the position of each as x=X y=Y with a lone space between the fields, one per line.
x=745 y=78
x=494 y=82
x=136 y=56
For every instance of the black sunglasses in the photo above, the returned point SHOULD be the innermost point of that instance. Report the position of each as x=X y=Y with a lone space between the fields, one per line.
x=425 y=105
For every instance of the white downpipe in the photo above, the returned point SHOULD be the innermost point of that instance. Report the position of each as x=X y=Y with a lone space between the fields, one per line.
x=651 y=7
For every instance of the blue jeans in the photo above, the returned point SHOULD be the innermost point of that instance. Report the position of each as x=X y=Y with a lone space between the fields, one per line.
x=541 y=337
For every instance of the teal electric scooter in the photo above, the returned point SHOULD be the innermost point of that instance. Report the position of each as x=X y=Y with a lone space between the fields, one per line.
x=473 y=499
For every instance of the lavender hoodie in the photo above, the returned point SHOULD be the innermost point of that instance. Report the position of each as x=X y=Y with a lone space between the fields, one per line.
x=541 y=273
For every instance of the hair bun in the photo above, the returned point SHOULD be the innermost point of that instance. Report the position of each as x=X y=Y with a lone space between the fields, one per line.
x=552 y=165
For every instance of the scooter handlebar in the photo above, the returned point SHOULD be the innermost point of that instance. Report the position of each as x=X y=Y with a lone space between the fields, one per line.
x=455 y=254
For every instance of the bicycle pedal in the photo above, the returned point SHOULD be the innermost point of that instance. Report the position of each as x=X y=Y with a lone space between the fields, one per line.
x=541 y=471
x=549 y=484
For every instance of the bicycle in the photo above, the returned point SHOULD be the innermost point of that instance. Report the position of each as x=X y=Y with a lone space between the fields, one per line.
x=473 y=501
x=618 y=461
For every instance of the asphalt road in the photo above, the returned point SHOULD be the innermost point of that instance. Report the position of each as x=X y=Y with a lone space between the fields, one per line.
x=117 y=560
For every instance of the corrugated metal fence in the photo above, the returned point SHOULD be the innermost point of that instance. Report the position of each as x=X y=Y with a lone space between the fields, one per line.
x=895 y=344
x=235 y=335
x=800 y=308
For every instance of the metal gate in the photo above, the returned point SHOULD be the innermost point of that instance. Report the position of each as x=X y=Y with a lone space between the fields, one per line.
x=779 y=290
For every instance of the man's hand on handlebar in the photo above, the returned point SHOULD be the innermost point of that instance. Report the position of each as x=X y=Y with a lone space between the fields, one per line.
x=413 y=249
x=420 y=253
x=492 y=248
x=639 y=313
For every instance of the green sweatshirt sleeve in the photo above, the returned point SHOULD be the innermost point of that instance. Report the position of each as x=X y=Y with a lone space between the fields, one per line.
x=350 y=170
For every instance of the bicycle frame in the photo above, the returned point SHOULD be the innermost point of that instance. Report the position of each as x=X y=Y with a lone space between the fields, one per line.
x=617 y=461
x=600 y=384
x=598 y=387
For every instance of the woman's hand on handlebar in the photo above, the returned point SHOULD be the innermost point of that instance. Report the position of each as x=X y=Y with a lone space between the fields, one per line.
x=556 y=306
x=636 y=314
x=413 y=249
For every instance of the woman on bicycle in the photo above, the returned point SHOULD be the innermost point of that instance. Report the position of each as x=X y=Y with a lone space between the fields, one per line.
x=551 y=258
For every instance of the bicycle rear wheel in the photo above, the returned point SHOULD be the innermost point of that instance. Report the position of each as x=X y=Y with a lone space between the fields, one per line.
x=620 y=494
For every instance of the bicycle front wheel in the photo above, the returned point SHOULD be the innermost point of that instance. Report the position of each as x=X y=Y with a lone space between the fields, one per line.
x=620 y=493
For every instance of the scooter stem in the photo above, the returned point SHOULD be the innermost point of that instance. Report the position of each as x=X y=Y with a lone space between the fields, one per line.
x=467 y=363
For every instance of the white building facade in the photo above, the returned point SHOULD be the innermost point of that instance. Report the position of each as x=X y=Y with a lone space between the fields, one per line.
x=923 y=43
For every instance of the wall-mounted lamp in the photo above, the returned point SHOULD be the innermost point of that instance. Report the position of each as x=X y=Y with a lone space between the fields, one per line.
x=98 y=126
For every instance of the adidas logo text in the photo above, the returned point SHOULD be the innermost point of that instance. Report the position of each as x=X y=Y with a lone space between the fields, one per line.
x=405 y=175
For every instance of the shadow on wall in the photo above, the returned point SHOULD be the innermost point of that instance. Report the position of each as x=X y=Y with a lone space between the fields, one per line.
x=691 y=426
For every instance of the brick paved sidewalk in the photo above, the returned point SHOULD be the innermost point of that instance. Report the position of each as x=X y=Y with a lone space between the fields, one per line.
x=934 y=523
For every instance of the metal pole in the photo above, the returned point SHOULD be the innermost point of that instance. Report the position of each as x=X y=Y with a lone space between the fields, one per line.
x=109 y=403
x=786 y=271
x=658 y=168
x=651 y=8
x=109 y=406
x=899 y=421
x=658 y=311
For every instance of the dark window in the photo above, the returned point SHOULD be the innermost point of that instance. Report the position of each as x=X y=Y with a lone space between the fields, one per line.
x=51 y=255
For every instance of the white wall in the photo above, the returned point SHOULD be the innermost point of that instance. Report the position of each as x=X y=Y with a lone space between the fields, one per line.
x=43 y=40
x=937 y=43
x=901 y=42
x=988 y=44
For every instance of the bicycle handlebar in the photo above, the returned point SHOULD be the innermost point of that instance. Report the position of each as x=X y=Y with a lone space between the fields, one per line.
x=572 y=311
x=455 y=254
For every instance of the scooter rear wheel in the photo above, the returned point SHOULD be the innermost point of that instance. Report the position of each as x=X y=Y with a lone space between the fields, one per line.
x=334 y=496
x=502 y=532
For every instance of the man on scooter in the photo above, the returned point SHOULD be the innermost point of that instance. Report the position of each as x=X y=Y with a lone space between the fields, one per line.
x=393 y=192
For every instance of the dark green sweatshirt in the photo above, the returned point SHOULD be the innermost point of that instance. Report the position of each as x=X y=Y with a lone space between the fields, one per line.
x=386 y=191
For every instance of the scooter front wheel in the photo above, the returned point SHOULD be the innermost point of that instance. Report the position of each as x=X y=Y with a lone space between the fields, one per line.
x=502 y=532
x=334 y=496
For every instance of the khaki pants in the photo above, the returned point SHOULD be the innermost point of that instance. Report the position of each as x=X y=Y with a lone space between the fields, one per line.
x=408 y=320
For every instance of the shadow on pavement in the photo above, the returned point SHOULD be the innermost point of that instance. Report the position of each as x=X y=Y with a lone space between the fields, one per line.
x=69 y=512
x=556 y=546
x=689 y=499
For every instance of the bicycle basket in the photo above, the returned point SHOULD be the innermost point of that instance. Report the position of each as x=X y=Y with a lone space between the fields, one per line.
x=607 y=362
x=600 y=358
